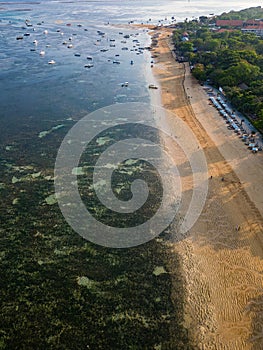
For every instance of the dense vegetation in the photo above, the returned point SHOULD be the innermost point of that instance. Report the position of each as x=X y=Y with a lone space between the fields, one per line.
x=250 y=13
x=230 y=59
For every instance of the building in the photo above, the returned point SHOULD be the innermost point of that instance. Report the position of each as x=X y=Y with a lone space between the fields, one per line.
x=250 y=26
x=234 y=23
x=258 y=30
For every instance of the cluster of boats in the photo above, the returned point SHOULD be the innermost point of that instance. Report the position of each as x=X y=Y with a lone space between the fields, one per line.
x=233 y=124
x=106 y=44
x=69 y=43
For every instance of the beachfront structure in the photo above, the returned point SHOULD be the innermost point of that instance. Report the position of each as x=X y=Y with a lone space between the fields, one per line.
x=258 y=30
x=233 y=23
x=250 y=26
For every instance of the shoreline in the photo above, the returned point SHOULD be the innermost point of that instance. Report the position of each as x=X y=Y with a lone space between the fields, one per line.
x=222 y=265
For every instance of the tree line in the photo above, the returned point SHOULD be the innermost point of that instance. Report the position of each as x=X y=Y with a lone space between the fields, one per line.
x=230 y=59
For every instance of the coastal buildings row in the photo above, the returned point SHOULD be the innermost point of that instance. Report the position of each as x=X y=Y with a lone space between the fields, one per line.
x=250 y=26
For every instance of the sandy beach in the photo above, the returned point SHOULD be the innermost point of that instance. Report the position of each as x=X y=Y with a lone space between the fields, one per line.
x=222 y=257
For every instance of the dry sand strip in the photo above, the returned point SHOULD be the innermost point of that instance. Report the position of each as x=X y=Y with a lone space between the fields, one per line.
x=222 y=265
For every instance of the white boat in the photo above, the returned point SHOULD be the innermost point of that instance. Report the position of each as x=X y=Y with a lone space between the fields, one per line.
x=152 y=86
x=42 y=53
x=90 y=65
x=51 y=62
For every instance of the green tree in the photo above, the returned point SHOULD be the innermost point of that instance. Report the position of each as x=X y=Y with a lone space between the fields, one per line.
x=199 y=72
x=227 y=58
x=203 y=33
x=198 y=43
x=259 y=47
x=185 y=48
x=212 y=45
x=243 y=72
x=249 y=55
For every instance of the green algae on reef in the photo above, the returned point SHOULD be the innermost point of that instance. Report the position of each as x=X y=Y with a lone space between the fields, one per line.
x=47 y=132
x=75 y=293
x=51 y=199
x=159 y=270
x=59 y=291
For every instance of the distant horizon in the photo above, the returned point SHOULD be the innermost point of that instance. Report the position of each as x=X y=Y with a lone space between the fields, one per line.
x=180 y=9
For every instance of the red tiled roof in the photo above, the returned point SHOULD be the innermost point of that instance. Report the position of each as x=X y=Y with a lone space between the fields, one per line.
x=253 y=27
x=229 y=22
x=255 y=22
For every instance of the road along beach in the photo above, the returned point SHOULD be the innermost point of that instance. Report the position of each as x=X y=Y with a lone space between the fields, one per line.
x=222 y=264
